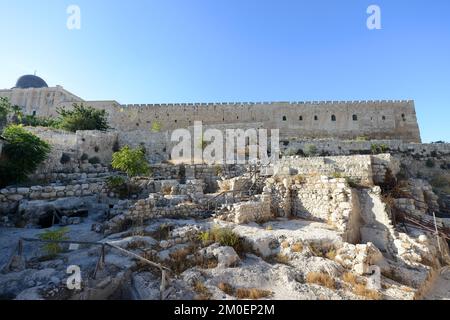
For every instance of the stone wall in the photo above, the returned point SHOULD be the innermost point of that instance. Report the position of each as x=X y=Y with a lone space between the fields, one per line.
x=364 y=169
x=11 y=197
x=330 y=200
x=148 y=209
x=341 y=147
x=341 y=119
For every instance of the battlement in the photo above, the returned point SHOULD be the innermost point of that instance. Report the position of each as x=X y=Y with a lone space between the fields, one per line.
x=374 y=119
x=265 y=103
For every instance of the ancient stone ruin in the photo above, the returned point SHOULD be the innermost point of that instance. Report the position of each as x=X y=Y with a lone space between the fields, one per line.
x=356 y=207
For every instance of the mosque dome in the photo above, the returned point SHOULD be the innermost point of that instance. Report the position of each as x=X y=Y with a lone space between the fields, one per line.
x=30 y=81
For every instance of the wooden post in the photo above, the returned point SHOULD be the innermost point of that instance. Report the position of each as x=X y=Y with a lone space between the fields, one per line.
x=437 y=233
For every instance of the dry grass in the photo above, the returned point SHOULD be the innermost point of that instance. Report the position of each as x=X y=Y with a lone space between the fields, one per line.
x=281 y=258
x=284 y=244
x=361 y=290
x=359 y=287
x=205 y=263
x=226 y=287
x=297 y=247
x=318 y=251
x=253 y=294
x=202 y=291
x=322 y=279
x=179 y=261
x=166 y=190
x=351 y=278
x=269 y=228
x=331 y=254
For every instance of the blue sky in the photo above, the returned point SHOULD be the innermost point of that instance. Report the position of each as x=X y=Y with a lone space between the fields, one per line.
x=236 y=50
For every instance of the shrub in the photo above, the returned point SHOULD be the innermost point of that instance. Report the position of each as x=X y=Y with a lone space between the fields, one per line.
x=21 y=155
x=430 y=163
x=331 y=254
x=362 y=138
x=322 y=279
x=376 y=149
x=5 y=109
x=156 y=126
x=337 y=175
x=53 y=249
x=202 y=291
x=130 y=161
x=253 y=294
x=84 y=157
x=310 y=150
x=441 y=183
x=35 y=121
x=115 y=181
x=82 y=118
x=65 y=158
x=94 y=160
x=224 y=236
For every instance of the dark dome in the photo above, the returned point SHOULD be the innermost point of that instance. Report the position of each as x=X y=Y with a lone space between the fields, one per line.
x=30 y=81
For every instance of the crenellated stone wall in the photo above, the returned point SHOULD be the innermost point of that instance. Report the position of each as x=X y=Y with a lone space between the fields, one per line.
x=385 y=119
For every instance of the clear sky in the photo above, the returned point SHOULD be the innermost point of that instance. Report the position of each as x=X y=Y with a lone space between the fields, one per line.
x=236 y=50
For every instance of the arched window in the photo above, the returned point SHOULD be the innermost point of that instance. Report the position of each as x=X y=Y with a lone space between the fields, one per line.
x=284 y=118
x=355 y=117
x=383 y=118
x=333 y=117
x=300 y=118
x=403 y=117
x=315 y=118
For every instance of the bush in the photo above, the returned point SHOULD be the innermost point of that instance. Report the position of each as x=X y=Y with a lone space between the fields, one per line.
x=65 y=158
x=82 y=118
x=5 y=109
x=310 y=150
x=115 y=181
x=53 y=249
x=430 y=163
x=156 y=126
x=94 y=160
x=21 y=155
x=130 y=161
x=84 y=157
x=224 y=236
x=377 y=149
x=34 y=121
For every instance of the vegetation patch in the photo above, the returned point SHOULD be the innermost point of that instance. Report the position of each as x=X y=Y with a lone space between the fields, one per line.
x=253 y=294
x=202 y=291
x=53 y=249
x=131 y=161
x=321 y=279
x=21 y=155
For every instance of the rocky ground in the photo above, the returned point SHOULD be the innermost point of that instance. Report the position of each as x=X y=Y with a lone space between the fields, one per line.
x=280 y=259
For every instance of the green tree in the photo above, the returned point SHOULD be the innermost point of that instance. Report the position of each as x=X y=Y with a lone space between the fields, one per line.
x=131 y=161
x=5 y=109
x=82 y=118
x=21 y=155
